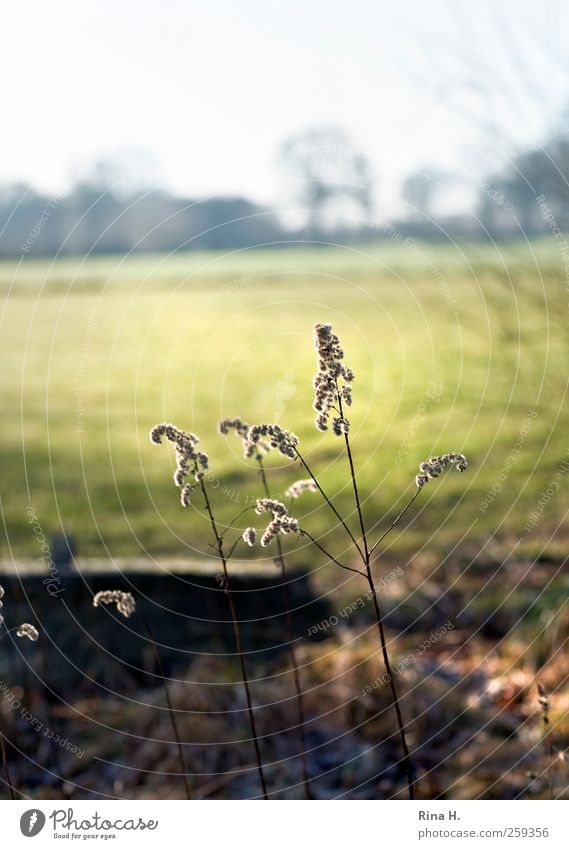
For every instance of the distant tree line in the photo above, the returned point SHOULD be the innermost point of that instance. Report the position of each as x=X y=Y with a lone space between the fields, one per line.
x=530 y=196
x=537 y=179
x=89 y=220
x=332 y=188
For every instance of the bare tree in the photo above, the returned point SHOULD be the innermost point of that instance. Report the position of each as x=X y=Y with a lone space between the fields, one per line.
x=332 y=176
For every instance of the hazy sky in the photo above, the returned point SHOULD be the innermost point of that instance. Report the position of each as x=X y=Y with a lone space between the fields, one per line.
x=211 y=89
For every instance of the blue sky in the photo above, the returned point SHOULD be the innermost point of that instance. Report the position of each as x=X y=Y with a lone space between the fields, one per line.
x=211 y=89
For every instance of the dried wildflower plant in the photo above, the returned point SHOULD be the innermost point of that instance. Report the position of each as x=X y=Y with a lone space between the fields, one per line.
x=125 y=602
x=255 y=446
x=281 y=522
x=436 y=465
x=126 y=605
x=332 y=382
x=332 y=393
x=191 y=461
x=296 y=489
x=250 y=536
x=284 y=441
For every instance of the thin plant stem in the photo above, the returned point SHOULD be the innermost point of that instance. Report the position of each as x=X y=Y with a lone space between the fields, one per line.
x=328 y=555
x=5 y=765
x=170 y=706
x=395 y=521
x=237 y=633
x=328 y=502
x=290 y=634
x=233 y=547
x=235 y=518
x=354 y=482
x=394 y=697
x=379 y=618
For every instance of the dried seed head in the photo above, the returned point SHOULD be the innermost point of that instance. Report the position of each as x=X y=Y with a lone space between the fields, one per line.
x=432 y=468
x=298 y=487
x=328 y=390
x=124 y=601
x=281 y=522
x=238 y=425
x=23 y=630
x=279 y=525
x=186 y=494
x=241 y=429
x=282 y=440
x=172 y=433
x=250 y=536
x=188 y=459
x=27 y=630
x=270 y=505
x=340 y=425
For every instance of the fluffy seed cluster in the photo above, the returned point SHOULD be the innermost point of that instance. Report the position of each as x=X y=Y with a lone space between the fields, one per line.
x=124 y=601
x=188 y=458
x=186 y=494
x=250 y=536
x=27 y=630
x=298 y=487
x=282 y=440
x=270 y=505
x=340 y=425
x=281 y=522
x=432 y=468
x=23 y=630
x=241 y=428
x=327 y=386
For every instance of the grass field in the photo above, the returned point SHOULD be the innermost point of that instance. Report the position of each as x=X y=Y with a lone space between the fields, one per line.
x=454 y=348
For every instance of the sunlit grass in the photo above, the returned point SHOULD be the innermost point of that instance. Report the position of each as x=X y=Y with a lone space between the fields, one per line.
x=193 y=338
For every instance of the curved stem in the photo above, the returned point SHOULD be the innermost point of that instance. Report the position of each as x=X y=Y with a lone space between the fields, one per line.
x=329 y=556
x=237 y=633
x=328 y=502
x=392 y=525
x=233 y=547
x=232 y=522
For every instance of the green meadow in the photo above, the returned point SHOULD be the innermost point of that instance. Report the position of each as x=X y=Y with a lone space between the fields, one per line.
x=455 y=348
